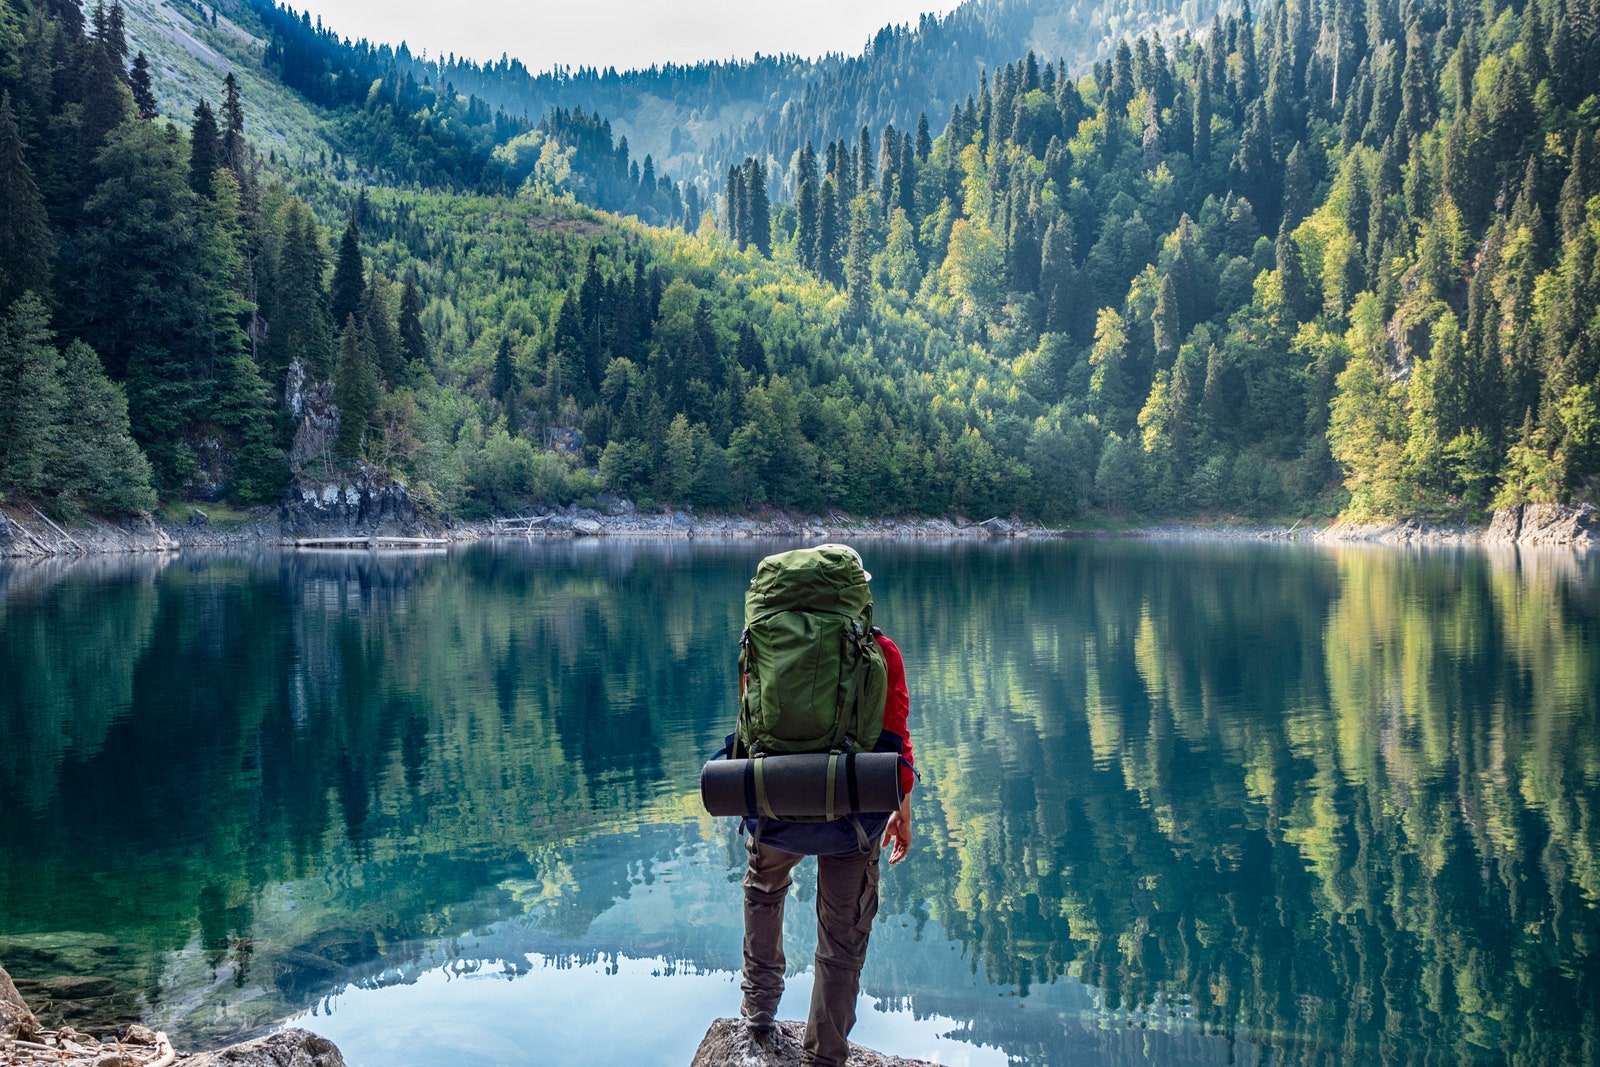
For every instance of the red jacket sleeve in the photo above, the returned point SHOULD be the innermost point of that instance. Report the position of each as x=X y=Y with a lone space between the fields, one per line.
x=898 y=708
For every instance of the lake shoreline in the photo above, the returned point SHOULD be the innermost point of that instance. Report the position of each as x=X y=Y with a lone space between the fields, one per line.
x=24 y=1040
x=357 y=518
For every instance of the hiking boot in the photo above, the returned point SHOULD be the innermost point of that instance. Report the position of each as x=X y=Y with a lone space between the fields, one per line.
x=759 y=1023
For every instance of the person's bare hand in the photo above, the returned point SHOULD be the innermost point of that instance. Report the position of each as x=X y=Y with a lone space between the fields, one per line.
x=899 y=832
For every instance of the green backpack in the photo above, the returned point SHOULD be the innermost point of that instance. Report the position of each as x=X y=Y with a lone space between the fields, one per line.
x=812 y=677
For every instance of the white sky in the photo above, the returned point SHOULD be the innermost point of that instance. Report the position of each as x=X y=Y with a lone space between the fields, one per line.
x=621 y=33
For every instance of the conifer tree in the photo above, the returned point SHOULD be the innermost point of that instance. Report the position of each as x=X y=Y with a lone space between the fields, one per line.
x=828 y=231
x=858 y=263
x=757 y=207
x=32 y=400
x=349 y=274
x=139 y=82
x=234 y=152
x=26 y=243
x=805 y=203
x=205 y=149
x=413 y=339
x=102 y=468
x=355 y=388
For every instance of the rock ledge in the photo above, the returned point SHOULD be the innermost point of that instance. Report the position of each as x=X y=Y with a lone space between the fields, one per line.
x=729 y=1043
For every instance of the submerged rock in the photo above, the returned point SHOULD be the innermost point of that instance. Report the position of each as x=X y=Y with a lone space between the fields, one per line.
x=729 y=1043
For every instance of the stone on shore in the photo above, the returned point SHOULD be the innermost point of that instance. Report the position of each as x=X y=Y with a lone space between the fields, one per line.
x=286 y=1048
x=729 y=1043
x=16 y=1021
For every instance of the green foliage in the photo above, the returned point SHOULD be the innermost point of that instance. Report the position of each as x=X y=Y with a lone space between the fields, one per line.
x=64 y=431
x=1072 y=297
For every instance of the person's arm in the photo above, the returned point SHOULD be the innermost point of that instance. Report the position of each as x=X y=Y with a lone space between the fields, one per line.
x=897 y=708
x=898 y=833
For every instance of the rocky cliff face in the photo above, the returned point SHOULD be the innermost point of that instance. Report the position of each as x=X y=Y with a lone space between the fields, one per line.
x=368 y=503
x=1545 y=524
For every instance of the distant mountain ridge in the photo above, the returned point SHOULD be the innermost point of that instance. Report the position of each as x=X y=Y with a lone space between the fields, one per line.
x=695 y=120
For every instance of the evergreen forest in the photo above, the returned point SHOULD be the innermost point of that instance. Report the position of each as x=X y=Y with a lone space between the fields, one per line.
x=1319 y=258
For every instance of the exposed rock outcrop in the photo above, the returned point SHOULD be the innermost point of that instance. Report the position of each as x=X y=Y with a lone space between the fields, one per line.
x=286 y=1048
x=16 y=1021
x=1544 y=524
x=369 y=503
x=729 y=1043
x=22 y=1040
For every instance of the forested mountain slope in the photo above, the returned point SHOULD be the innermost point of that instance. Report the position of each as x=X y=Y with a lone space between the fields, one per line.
x=691 y=121
x=1340 y=256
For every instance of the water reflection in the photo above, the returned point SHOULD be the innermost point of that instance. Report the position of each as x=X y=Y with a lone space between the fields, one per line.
x=1178 y=803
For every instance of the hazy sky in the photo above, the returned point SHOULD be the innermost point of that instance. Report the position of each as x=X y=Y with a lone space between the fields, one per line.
x=620 y=33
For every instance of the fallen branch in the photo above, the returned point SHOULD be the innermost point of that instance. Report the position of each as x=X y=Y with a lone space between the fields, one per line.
x=59 y=530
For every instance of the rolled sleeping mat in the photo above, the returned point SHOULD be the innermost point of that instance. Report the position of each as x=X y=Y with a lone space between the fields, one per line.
x=799 y=787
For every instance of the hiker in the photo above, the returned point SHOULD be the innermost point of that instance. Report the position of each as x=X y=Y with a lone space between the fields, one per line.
x=847 y=851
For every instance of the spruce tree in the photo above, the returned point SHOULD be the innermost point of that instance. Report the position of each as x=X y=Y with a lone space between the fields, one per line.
x=389 y=361
x=205 y=149
x=413 y=339
x=758 y=208
x=858 y=263
x=26 y=244
x=32 y=399
x=349 y=274
x=355 y=388
x=805 y=204
x=1297 y=300
x=139 y=82
x=828 y=233
x=234 y=152
x=102 y=468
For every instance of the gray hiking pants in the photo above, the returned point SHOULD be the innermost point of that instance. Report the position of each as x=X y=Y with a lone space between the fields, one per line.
x=847 y=900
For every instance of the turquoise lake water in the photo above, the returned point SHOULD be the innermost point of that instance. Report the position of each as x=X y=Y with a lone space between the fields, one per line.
x=1180 y=804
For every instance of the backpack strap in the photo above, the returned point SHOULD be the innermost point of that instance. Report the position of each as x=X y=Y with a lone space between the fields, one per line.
x=850 y=782
x=833 y=774
x=759 y=773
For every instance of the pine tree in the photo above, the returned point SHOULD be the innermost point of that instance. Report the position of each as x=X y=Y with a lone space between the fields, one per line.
x=139 y=82
x=413 y=339
x=234 y=151
x=805 y=203
x=758 y=208
x=1165 y=322
x=349 y=274
x=858 y=262
x=355 y=388
x=1297 y=299
x=26 y=244
x=828 y=233
x=389 y=361
x=1202 y=116
x=295 y=305
x=924 y=144
x=102 y=468
x=205 y=149
x=32 y=400
x=1297 y=191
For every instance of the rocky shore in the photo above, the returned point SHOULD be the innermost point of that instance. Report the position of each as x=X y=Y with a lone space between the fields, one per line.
x=24 y=1042
x=372 y=506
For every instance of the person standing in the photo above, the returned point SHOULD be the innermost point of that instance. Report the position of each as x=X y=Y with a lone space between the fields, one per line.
x=847 y=851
